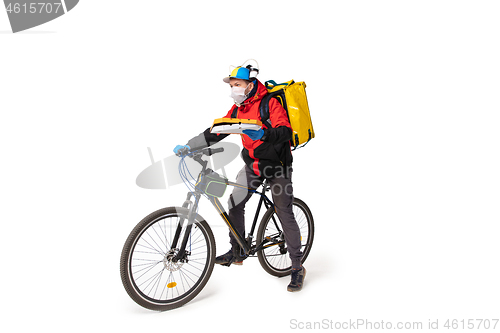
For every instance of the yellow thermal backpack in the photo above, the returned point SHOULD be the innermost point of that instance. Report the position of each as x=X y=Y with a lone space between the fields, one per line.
x=292 y=96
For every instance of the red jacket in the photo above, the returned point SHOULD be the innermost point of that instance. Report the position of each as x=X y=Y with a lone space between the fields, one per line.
x=269 y=155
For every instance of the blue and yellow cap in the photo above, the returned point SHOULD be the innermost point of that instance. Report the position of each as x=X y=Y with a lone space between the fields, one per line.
x=238 y=73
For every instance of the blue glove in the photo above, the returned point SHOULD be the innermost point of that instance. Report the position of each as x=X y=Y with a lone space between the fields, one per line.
x=254 y=135
x=179 y=147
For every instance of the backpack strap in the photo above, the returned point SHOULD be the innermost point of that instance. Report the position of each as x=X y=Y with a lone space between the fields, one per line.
x=272 y=84
x=235 y=111
x=264 y=111
x=264 y=106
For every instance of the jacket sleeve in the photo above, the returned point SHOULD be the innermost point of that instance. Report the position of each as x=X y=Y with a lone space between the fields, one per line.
x=206 y=139
x=281 y=131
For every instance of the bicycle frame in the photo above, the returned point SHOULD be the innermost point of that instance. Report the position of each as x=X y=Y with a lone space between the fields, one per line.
x=245 y=244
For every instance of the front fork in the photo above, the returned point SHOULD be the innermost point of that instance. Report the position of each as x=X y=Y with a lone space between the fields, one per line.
x=182 y=253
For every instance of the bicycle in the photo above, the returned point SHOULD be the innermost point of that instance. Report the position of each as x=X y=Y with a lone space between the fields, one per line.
x=169 y=256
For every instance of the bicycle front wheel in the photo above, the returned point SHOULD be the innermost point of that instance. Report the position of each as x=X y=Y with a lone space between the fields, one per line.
x=274 y=258
x=151 y=275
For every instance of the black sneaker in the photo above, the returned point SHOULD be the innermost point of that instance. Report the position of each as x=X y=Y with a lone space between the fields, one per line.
x=298 y=276
x=229 y=258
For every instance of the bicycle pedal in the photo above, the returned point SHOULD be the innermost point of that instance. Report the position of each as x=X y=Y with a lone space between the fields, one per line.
x=233 y=262
x=269 y=239
x=272 y=239
x=227 y=264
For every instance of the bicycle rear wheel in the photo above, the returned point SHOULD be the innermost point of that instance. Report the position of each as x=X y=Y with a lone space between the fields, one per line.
x=150 y=275
x=274 y=257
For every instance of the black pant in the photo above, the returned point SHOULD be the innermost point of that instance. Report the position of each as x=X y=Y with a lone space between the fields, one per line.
x=282 y=191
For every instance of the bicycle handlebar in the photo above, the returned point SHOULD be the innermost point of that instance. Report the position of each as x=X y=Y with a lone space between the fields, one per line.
x=211 y=151
x=205 y=151
x=196 y=155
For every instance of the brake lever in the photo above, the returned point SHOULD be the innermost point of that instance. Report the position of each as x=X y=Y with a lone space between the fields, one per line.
x=182 y=152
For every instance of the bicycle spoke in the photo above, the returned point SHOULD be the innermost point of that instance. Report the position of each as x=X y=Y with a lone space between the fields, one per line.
x=160 y=238
x=152 y=247
x=164 y=232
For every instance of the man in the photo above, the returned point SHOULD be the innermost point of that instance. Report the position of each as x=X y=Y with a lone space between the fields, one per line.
x=267 y=155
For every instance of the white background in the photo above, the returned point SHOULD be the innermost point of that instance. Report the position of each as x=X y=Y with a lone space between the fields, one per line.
x=402 y=177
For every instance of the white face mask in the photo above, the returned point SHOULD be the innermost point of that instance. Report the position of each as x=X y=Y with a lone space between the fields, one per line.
x=238 y=94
